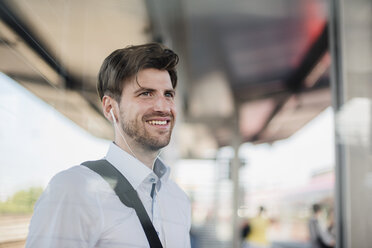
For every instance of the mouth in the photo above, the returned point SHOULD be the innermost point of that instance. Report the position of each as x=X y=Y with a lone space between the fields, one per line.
x=159 y=122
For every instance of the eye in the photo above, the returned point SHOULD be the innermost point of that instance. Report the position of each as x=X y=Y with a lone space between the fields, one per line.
x=145 y=93
x=169 y=94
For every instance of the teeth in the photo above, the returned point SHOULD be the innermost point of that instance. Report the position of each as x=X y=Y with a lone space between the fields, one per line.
x=157 y=122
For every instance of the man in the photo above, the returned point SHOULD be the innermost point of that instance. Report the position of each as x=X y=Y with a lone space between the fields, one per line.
x=318 y=237
x=79 y=208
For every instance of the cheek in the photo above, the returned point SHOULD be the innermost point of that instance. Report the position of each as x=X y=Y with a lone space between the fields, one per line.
x=174 y=112
x=129 y=112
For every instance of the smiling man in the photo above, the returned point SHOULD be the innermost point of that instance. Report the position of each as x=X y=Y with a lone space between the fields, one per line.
x=80 y=208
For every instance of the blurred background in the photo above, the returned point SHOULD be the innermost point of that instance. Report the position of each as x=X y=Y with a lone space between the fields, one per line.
x=274 y=107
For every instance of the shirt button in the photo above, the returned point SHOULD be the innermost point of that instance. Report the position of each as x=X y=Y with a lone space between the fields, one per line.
x=152 y=180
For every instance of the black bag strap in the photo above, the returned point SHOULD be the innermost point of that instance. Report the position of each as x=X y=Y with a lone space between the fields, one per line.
x=127 y=195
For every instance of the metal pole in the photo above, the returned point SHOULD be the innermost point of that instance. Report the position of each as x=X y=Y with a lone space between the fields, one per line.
x=337 y=84
x=235 y=166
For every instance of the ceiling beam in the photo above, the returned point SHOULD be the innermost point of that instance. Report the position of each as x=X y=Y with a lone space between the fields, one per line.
x=20 y=28
x=295 y=82
x=315 y=53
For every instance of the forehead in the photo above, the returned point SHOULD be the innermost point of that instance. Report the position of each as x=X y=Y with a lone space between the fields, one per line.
x=151 y=79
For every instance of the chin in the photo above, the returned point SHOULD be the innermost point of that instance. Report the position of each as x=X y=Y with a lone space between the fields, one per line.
x=155 y=146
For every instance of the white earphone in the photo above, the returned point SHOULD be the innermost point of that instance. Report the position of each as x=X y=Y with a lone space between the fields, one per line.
x=122 y=136
x=113 y=116
x=134 y=155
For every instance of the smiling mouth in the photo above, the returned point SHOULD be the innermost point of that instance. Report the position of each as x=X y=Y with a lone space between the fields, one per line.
x=158 y=123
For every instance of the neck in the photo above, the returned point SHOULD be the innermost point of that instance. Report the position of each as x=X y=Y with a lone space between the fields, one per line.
x=146 y=156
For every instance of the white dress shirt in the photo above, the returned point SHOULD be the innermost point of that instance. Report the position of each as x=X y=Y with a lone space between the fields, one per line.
x=79 y=208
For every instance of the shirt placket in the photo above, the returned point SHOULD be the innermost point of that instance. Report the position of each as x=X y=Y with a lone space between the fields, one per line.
x=155 y=210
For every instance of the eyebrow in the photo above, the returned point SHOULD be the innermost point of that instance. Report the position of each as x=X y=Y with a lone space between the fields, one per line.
x=152 y=90
x=144 y=89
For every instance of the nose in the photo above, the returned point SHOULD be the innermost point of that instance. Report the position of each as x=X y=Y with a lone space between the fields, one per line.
x=162 y=104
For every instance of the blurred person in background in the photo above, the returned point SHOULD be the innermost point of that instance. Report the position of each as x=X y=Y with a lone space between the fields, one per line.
x=79 y=209
x=319 y=238
x=245 y=230
x=257 y=229
x=331 y=228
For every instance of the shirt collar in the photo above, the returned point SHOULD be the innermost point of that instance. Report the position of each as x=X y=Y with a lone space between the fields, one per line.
x=161 y=170
x=133 y=169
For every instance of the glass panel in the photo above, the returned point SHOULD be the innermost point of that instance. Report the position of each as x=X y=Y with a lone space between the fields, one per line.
x=286 y=177
x=51 y=81
x=36 y=142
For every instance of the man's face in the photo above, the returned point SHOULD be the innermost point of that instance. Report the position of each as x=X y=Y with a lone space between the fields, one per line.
x=147 y=109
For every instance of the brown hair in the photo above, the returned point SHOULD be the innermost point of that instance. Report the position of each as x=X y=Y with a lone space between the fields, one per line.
x=123 y=64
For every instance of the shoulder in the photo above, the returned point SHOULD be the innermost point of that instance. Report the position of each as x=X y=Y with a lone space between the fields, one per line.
x=77 y=181
x=76 y=175
x=69 y=212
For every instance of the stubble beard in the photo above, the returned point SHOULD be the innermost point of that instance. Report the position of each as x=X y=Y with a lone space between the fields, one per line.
x=136 y=130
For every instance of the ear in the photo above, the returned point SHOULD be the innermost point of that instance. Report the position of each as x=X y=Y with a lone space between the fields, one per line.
x=108 y=104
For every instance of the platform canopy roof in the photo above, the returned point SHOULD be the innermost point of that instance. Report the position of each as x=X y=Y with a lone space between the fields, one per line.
x=259 y=66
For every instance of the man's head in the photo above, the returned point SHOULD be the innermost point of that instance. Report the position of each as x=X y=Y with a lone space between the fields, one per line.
x=261 y=210
x=122 y=65
x=138 y=84
x=316 y=208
